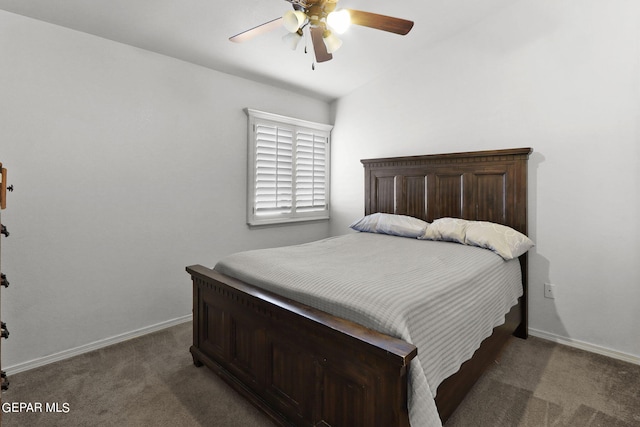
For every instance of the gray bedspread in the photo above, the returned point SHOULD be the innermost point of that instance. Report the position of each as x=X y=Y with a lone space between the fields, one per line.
x=443 y=297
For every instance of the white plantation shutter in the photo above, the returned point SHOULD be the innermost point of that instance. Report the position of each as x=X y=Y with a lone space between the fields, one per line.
x=311 y=177
x=273 y=170
x=288 y=169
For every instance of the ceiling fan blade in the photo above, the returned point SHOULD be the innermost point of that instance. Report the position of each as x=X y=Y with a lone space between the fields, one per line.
x=318 y=45
x=380 y=22
x=256 y=31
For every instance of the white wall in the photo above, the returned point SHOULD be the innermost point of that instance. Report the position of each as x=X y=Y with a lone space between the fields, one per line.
x=562 y=77
x=127 y=166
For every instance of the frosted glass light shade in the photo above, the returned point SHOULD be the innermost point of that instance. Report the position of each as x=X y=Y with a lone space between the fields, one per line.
x=331 y=41
x=293 y=20
x=339 y=20
x=292 y=39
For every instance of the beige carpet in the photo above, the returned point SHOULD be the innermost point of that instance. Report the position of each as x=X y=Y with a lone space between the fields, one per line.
x=537 y=383
x=151 y=381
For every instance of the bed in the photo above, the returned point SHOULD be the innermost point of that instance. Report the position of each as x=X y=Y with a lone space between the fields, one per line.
x=307 y=367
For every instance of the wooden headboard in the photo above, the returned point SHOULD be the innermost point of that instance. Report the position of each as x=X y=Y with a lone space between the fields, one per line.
x=478 y=185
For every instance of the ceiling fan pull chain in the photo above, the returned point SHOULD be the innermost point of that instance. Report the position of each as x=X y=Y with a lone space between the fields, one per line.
x=306 y=41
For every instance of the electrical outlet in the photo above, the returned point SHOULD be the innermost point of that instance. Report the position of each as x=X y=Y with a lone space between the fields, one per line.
x=549 y=290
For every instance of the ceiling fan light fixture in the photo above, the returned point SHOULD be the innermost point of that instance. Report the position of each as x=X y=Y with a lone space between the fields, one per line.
x=293 y=20
x=292 y=39
x=331 y=41
x=322 y=21
x=339 y=21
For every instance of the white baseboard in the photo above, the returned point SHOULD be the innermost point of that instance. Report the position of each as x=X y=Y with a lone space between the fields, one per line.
x=585 y=346
x=66 y=354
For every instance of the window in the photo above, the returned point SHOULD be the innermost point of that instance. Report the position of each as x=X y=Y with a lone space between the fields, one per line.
x=288 y=168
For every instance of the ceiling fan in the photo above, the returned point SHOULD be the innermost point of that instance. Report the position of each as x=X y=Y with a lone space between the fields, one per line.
x=322 y=20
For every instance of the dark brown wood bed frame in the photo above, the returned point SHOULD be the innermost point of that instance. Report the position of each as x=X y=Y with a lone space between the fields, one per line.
x=304 y=367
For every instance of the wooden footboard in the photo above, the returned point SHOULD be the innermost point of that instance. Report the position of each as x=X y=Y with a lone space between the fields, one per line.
x=300 y=365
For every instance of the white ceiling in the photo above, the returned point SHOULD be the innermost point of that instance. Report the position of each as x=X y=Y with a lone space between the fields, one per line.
x=197 y=31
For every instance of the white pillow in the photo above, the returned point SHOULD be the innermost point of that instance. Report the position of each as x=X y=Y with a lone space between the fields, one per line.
x=367 y=223
x=503 y=240
x=397 y=225
x=448 y=229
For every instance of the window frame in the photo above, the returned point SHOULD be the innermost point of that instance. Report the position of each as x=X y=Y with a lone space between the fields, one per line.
x=257 y=118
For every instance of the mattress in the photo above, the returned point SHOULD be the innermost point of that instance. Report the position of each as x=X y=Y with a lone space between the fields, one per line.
x=443 y=297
